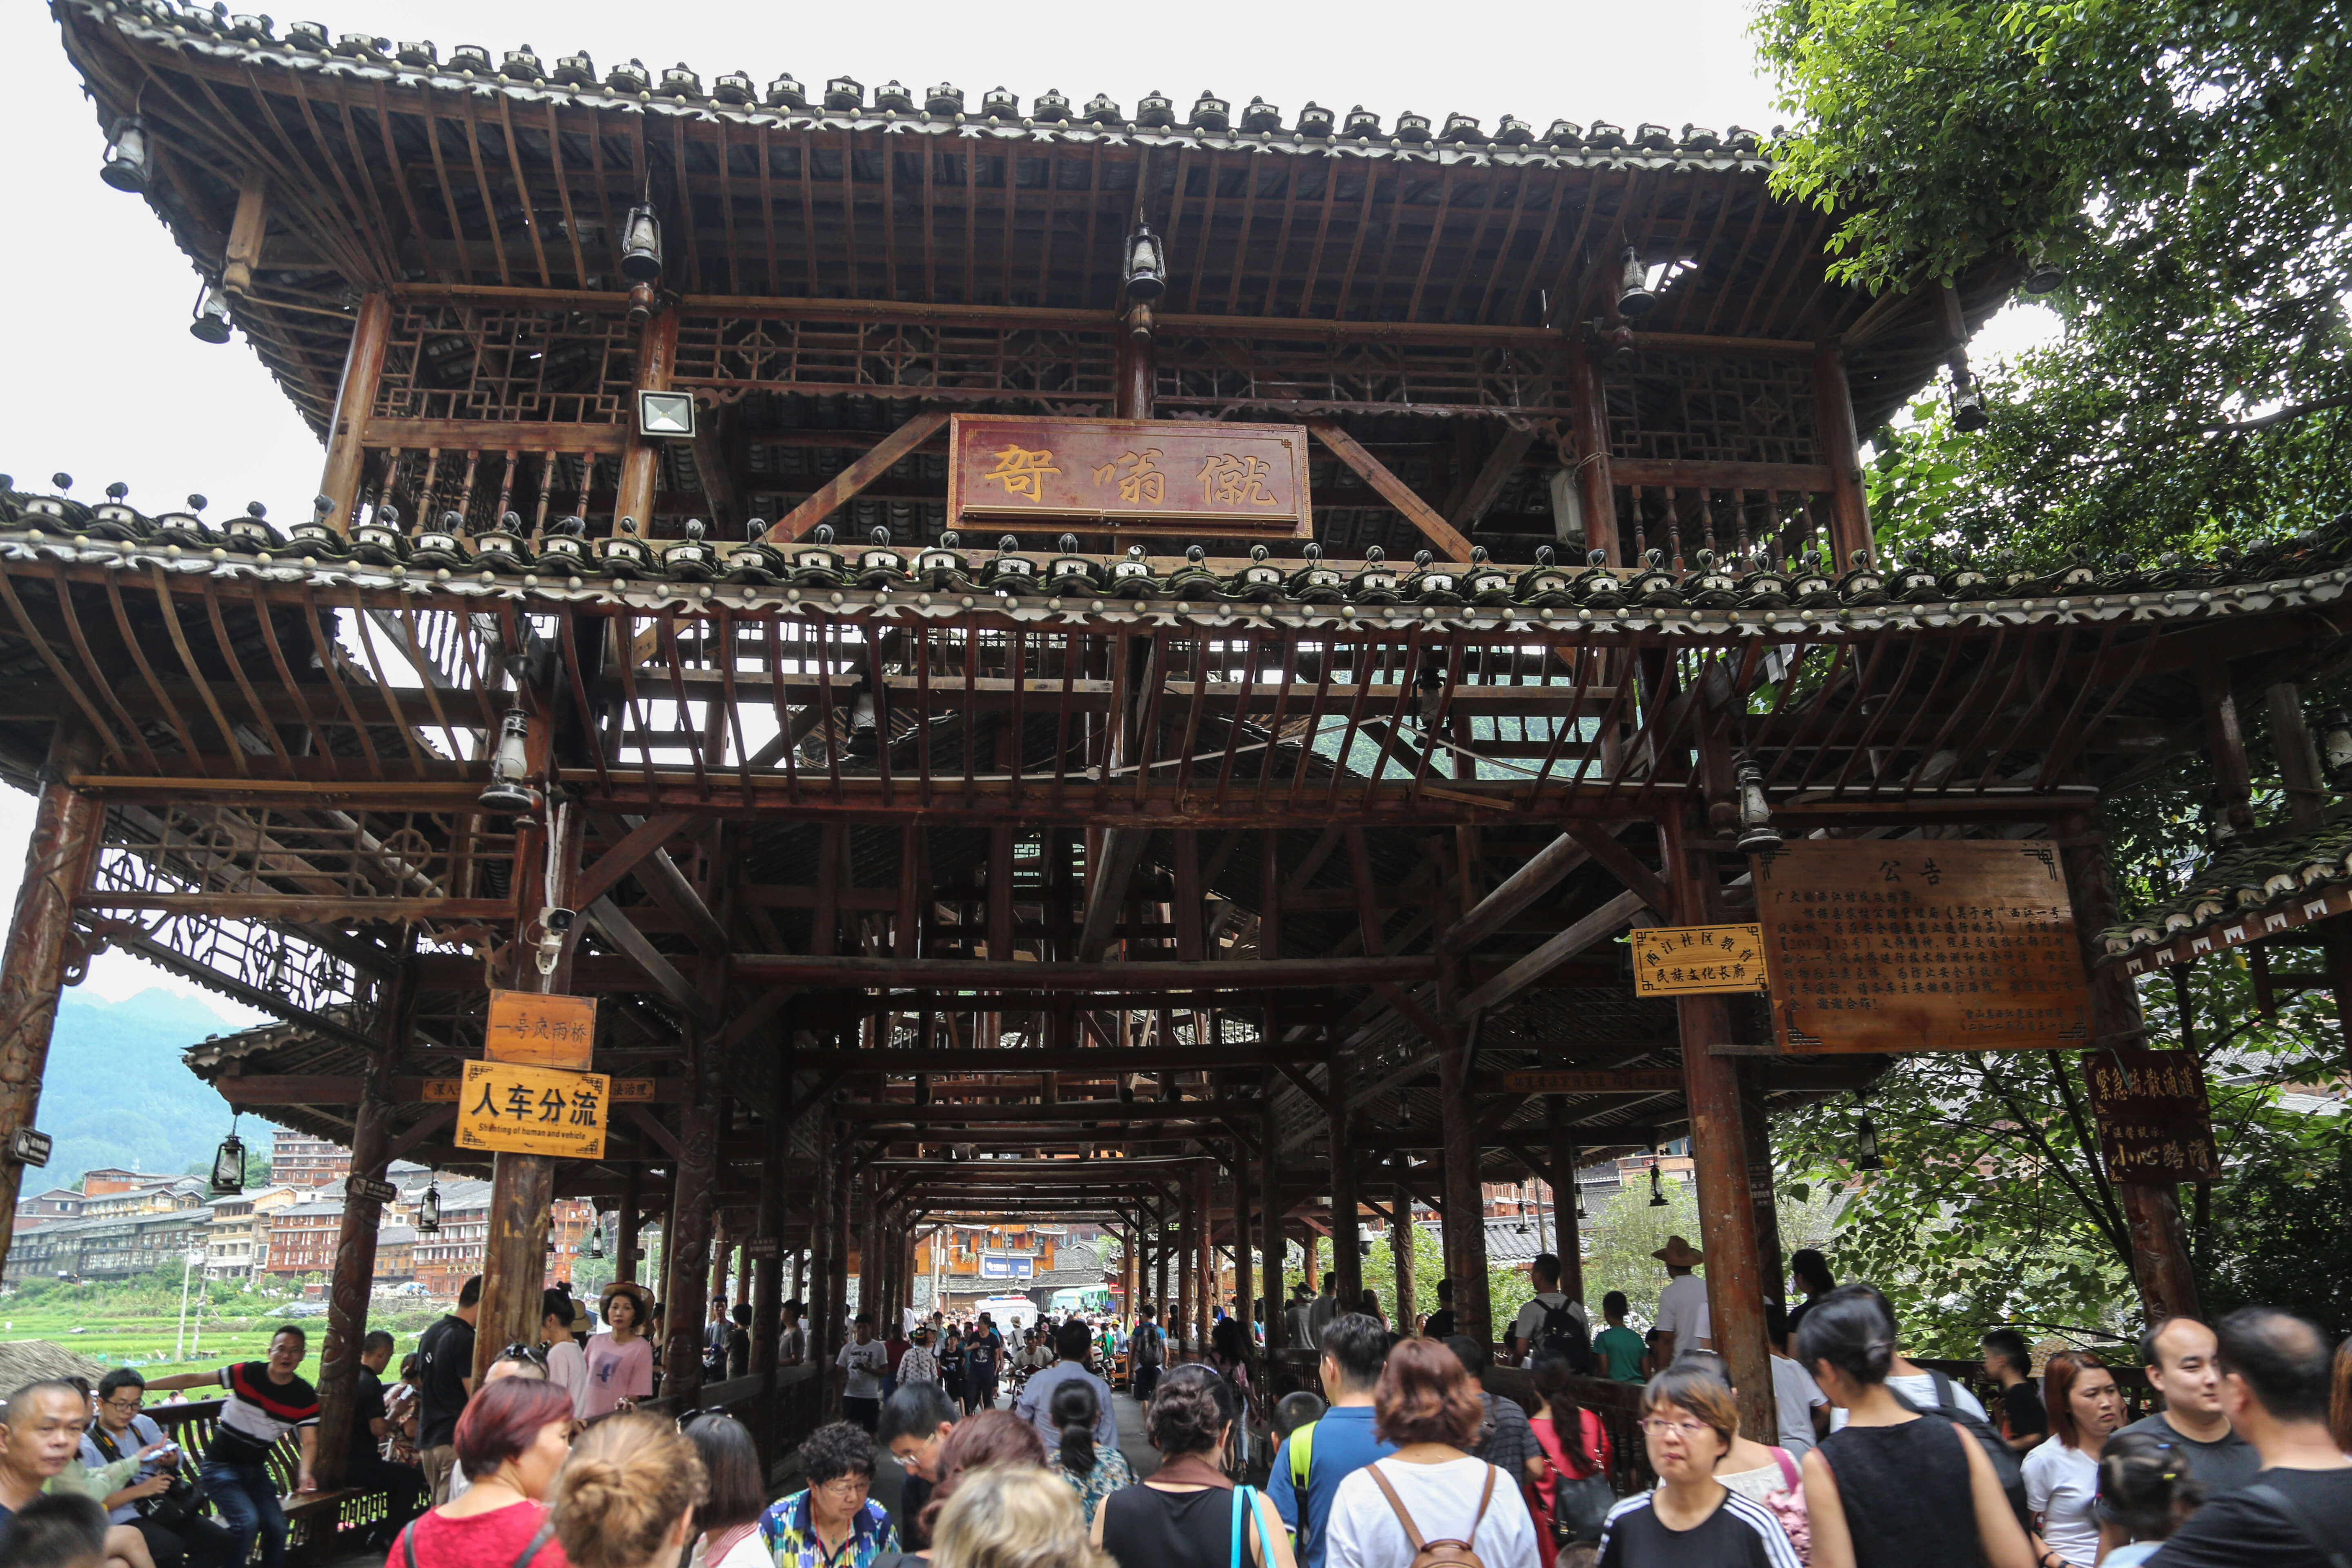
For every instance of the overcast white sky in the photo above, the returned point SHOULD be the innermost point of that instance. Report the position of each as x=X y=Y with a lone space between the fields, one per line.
x=105 y=383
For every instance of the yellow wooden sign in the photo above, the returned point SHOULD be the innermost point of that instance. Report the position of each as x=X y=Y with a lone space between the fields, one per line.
x=540 y=1030
x=625 y=1090
x=519 y=1109
x=1690 y=961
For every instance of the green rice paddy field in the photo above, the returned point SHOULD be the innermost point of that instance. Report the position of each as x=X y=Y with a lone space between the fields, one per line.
x=119 y=1328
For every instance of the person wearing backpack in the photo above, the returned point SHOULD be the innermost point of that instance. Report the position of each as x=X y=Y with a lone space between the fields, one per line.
x=1147 y=1353
x=1550 y=1321
x=1313 y=1459
x=1690 y=1425
x=1431 y=1504
x=2298 y=1510
x=1895 y=1487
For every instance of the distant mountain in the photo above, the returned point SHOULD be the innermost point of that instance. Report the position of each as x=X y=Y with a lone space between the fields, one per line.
x=115 y=1094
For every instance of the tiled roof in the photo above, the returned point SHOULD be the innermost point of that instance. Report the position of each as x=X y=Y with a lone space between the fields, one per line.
x=841 y=103
x=945 y=579
x=2242 y=893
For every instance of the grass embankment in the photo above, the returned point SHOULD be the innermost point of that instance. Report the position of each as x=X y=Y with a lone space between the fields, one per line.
x=137 y=1323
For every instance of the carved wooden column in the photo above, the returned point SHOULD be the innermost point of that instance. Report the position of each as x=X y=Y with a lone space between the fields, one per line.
x=58 y=863
x=1244 y=1269
x=1596 y=494
x=2160 y=1241
x=1833 y=417
x=1347 y=1257
x=354 y=397
x=1269 y=1173
x=1735 y=1270
x=641 y=461
x=1204 y=1255
x=1566 y=1241
x=1463 y=1212
x=824 y=1306
x=625 y=1246
x=354 y=1272
x=1401 y=1234
x=685 y=1247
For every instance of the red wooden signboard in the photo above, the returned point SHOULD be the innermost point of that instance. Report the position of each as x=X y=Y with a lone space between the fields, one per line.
x=2155 y=1125
x=1199 y=479
x=1920 y=945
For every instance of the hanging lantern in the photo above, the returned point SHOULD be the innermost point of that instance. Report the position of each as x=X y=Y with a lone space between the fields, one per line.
x=641 y=246
x=596 y=1238
x=1635 y=297
x=212 y=323
x=865 y=741
x=505 y=794
x=127 y=164
x=1757 y=834
x=229 y=1164
x=428 y=1208
x=1865 y=1140
x=2335 y=745
x=2042 y=275
x=1657 y=1185
x=1146 y=266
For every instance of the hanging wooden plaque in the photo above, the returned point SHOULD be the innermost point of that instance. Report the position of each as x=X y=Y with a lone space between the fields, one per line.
x=1694 y=960
x=1199 y=479
x=541 y=1029
x=2155 y=1123
x=533 y=1110
x=1936 y=945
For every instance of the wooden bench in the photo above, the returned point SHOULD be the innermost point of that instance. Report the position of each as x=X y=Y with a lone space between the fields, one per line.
x=320 y=1525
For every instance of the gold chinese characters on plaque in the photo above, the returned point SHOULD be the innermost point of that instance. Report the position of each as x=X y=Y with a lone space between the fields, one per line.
x=518 y=1109
x=1197 y=477
x=1954 y=945
x=1693 y=961
x=539 y=1030
x=2155 y=1123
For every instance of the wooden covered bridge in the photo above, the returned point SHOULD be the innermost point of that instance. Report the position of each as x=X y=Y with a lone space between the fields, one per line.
x=1211 y=861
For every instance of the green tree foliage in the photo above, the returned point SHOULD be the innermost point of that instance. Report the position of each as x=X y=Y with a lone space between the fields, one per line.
x=2184 y=165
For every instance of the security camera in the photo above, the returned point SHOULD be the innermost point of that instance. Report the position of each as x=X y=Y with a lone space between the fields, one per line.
x=552 y=923
x=558 y=921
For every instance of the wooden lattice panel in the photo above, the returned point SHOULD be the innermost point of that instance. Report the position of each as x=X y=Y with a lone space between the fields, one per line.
x=521 y=366
x=1714 y=409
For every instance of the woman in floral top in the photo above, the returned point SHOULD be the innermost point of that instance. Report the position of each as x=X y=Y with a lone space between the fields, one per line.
x=1094 y=1470
x=918 y=1364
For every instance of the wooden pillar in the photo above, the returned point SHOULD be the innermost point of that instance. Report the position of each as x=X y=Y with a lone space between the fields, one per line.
x=1204 y=1247
x=2308 y=796
x=354 y=397
x=1566 y=1240
x=1134 y=358
x=1346 y=1257
x=1735 y=1270
x=2160 y=1241
x=768 y=1267
x=686 y=1244
x=1244 y=1273
x=1164 y=1247
x=641 y=461
x=1269 y=1208
x=1833 y=417
x=836 y=1333
x=354 y=1272
x=1463 y=1215
x=1763 y=1204
x=1401 y=1234
x=824 y=1307
x=57 y=862
x=625 y=1247
x=1596 y=492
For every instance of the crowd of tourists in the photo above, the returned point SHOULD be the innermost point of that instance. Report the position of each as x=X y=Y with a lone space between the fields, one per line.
x=1404 y=1460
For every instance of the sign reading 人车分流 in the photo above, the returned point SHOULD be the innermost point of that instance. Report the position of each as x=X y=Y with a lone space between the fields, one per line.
x=1910 y=945
x=521 y=1109
x=1200 y=478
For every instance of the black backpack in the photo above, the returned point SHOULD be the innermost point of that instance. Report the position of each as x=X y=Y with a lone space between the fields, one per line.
x=1560 y=1331
x=2005 y=1465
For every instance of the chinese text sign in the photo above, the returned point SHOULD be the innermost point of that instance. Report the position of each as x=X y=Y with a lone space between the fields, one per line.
x=1689 y=961
x=1143 y=475
x=521 y=1109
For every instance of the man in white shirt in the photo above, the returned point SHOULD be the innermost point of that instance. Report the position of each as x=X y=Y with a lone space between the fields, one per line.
x=867 y=1360
x=1527 y=1328
x=1681 y=1320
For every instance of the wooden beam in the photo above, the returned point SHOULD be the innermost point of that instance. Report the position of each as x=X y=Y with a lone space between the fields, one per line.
x=947 y=1113
x=645 y=836
x=879 y=460
x=1534 y=878
x=1441 y=535
x=962 y=975
x=659 y=876
x=1602 y=922
x=718 y=474
x=1073 y=1058
x=681 y=992
x=1605 y=847
x=1486 y=486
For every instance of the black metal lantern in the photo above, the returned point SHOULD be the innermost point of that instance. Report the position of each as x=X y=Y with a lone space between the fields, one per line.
x=505 y=794
x=1865 y=1140
x=641 y=246
x=1635 y=297
x=1757 y=834
x=2335 y=745
x=127 y=156
x=229 y=1164
x=1657 y=1185
x=2042 y=275
x=429 y=1207
x=1146 y=266
x=211 y=320
x=596 y=1237
x=865 y=739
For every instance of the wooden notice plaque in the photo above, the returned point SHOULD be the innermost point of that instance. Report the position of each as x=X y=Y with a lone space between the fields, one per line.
x=1195 y=478
x=1943 y=946
x=538 y=1029
x=1693 y=961
x=2154 y=1124
x=533 y=1110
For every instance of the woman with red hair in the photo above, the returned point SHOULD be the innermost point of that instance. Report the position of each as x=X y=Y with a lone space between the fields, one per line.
x=1432 y=1487
x=511 y=1441
x=2061 y=1476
